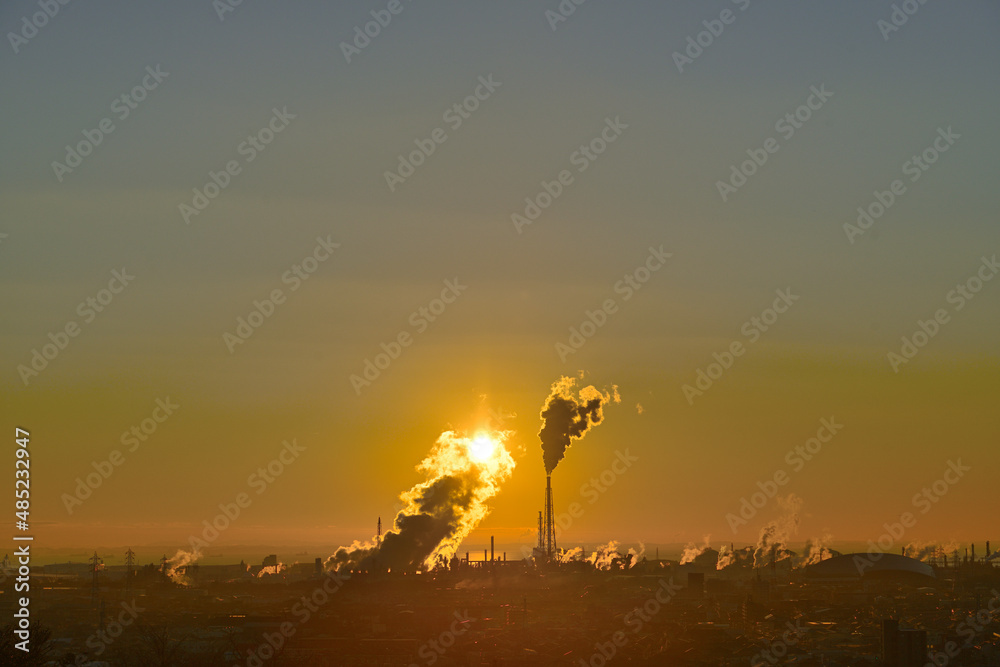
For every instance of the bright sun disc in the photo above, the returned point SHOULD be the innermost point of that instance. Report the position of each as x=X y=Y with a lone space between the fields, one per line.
x=481 y=448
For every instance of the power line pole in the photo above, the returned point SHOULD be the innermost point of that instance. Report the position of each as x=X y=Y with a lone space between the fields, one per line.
x=129 y=569
x=96 y=563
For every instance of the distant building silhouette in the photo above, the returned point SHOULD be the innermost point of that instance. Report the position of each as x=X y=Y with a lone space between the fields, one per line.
x=902 y=648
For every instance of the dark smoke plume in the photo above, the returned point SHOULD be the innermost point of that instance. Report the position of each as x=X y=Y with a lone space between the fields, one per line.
x=439 y=513
x=566 y=417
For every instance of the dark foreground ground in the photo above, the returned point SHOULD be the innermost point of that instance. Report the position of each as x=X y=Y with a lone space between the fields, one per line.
x=657 y=613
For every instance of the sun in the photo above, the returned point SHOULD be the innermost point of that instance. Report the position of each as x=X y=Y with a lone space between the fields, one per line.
x=481 y=448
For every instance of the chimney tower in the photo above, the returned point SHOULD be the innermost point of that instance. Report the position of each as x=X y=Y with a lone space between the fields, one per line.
x=550 y=524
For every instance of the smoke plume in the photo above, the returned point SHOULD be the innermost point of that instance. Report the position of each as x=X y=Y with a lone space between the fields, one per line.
x=637 y=556
x=773 y=540
x=817 y=550
x=730 y=556
x=727 y=557
x=605 y=555
x=928 y=551
x=180 y=560
x=270 y=570
x=566 y=417
x=439 y=513
x=574 y=554
x=692 y=551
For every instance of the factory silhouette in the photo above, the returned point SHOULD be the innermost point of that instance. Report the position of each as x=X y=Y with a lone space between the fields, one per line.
x=419 y=593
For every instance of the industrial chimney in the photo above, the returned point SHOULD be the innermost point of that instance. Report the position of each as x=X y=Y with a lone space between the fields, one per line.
x=550 y=523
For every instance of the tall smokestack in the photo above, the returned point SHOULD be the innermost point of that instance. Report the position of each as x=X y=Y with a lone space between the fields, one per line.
x=550 y=524
x=491 y=548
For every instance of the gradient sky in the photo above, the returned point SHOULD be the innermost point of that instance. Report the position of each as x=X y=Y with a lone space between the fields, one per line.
x=495 y=346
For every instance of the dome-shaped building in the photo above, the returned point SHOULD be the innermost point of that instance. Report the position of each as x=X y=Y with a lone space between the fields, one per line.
x=858 y=566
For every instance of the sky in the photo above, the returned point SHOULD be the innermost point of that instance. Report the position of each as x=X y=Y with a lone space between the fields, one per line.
x=657 y=189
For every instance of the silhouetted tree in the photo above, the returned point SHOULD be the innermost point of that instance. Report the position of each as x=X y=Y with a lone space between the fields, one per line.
x=159 y=649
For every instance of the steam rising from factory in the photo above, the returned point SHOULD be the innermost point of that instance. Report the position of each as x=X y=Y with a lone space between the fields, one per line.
x=772 y=543
x=566 y=417
x=175 y=566
x=440 y=512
